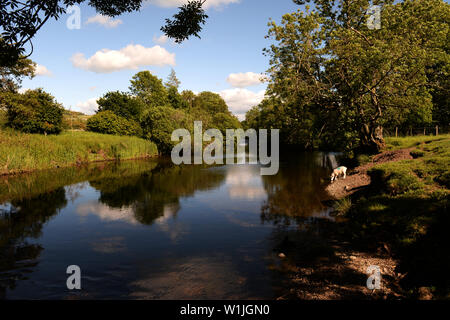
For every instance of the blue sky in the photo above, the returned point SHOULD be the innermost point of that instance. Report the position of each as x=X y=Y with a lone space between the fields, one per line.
x=77 y=72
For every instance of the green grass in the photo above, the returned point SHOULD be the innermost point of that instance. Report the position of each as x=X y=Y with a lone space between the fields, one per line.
x=410 y=142
x=21 y=152
x=406 y=207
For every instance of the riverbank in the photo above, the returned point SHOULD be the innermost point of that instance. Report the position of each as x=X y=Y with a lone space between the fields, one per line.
x=21 y=153
x=397 y=204
x=392 y=213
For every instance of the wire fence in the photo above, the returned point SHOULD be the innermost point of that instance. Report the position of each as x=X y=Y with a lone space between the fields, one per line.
x=417 y=131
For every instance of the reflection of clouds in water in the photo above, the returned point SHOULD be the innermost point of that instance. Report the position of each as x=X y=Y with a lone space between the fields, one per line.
x=109 y=245
x=106 y=213
x=244 y=182
x=73 y=192
x=194 y=278
x=167 y=223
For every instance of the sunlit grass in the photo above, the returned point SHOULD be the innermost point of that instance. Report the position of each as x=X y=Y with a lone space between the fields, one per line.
x=21 y=152
x=414 y=141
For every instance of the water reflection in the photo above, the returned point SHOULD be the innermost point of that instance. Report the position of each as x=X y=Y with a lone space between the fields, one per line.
x=149 y=229
x=295 y=193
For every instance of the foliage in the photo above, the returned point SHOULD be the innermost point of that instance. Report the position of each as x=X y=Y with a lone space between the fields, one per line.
x=172 y=80
x=210 y=102
x=224 y=121
x=11 y=75
x=34 y=111
x=122 y=104
x=150 y=89
x=188 y=21
x=175 y=98
x=188 y=96
x=109 y=123
x=336 y=81
x=159 y=123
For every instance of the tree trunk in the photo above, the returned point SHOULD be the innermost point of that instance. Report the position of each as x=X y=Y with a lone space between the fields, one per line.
x=372 y=139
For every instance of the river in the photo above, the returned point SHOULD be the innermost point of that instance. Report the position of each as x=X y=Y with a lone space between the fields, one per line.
x=152 y=230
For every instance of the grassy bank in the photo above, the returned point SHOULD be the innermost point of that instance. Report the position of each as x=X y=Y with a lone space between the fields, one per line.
x=28 y=152
x=405 y=211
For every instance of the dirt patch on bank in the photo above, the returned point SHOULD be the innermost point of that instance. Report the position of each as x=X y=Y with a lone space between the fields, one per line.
x=358 y=178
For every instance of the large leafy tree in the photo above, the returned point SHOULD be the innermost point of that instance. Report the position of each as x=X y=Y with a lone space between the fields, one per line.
x=21 y=20
x=122 y=104
x=329 y=67
x=11 y=75
x=34 y=111
x=149 y=88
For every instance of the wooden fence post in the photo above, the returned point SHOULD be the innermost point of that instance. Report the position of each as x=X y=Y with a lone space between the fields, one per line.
x=437 y=130
x=396 y=132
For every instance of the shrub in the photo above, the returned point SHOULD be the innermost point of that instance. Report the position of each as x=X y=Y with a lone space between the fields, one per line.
x=34 y=111
x=160 y=122
x=109 y=123
x=122 y=104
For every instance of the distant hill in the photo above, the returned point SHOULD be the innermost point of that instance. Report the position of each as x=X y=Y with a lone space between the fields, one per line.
x=73 y=120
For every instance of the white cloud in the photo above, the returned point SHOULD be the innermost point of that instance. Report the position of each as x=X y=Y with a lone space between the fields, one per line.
x=105 y=21
x=178 y=3
x=248 y=79
x=130 y=57
x=42 y=71
x=162 y=39
x=241 y=100
x=87 y=107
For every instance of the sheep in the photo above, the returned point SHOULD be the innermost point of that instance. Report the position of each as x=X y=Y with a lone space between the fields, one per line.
x=341 y=171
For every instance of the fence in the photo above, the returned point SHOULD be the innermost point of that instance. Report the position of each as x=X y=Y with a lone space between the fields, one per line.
x=418 y=131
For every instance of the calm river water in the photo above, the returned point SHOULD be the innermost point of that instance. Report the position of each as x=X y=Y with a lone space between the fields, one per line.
x=152 y=230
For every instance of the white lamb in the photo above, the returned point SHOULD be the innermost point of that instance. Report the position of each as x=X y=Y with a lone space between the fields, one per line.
x=341 y=171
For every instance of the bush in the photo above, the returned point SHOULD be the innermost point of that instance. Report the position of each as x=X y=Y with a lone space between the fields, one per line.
x=122 y=104
x=160 y=122
x=109 y=123
x=34 y=111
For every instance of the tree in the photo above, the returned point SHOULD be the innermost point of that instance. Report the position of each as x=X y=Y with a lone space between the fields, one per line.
x=108 y=122
x=122 y=104
x=172 y=80
x=149 y=88
x=172 y=85
x=34 y=111
x=327 y=66
x=187 y=22
x=175 y=99
x=210 y=102
x=188 y=96
x=21 y=20
x=11 y=76
x=160 y=122
x=224 y=121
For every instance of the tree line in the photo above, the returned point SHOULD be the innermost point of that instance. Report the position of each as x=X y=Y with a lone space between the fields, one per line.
x=150 y=109
x=335 y=82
